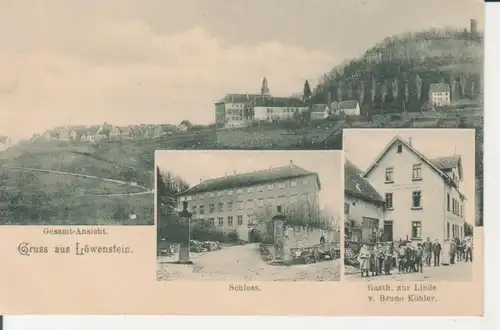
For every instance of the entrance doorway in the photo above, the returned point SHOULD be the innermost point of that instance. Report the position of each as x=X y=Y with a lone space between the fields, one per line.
x=387 y=236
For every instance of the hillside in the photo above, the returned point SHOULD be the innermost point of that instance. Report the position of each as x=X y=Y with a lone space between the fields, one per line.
x=396 y=74
x=34 y=197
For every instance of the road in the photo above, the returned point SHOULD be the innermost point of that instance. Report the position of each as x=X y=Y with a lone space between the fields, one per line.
x=461 y=271
x=243 y=263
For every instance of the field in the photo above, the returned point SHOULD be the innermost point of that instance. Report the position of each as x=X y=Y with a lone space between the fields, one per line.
x=316 y=135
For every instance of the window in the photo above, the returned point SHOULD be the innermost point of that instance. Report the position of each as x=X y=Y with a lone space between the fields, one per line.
x=400 y=148
x=202 y=196
x=202 y=209
x=417 y=172
x=416 y=199
x=260 y=188
x=303 y=197
x=305 y=182
x=230 y=193
x=448 y=230
x=239 y=191
x=229 y=206
x=240 y=205
x=388 y=201
x=193 y=209
x=220 y=193
x=250 y=190
x=239 y=220
x=293 y=183
x=229 y=221
x=212 y=194
x=221 y=221
x=461 y=211
x=389 y=174
x=270 y=186
x=211 y=208
x=448 y=206
x=416 y=229
x=211 y=221
x=260 y=202
x=281 y=185
x=346 y=208
x=221 y=207
x=182 y=199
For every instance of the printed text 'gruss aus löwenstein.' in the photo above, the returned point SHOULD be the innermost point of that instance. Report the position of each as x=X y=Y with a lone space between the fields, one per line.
x=395 y=293
x=80 y=249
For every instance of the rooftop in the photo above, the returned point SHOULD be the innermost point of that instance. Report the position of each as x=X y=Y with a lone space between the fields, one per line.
x=356 y=185
x=439 y=88
x=249 y=179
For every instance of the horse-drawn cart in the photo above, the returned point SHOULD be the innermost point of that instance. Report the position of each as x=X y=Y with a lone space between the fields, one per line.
x=316 y=253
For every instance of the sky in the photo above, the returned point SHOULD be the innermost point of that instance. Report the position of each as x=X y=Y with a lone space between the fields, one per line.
x=214 y=164
x=69 y=62
x=431 y=143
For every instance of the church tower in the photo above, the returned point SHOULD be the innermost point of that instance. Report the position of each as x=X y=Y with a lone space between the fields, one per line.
x=264 y=90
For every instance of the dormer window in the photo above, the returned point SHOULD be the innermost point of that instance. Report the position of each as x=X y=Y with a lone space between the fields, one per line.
x=400 y=148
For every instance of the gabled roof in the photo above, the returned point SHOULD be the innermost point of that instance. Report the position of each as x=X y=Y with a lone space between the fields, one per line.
x=447 y=163
x=278 y=102
x=355 y=184
x=250 y=179
x=350 y=104
x=397 y=139
x=439 y=88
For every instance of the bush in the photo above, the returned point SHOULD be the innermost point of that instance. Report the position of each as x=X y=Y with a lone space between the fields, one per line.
x=233 y=236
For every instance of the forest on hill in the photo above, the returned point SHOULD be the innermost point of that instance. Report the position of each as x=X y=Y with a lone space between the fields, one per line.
x=395 y=75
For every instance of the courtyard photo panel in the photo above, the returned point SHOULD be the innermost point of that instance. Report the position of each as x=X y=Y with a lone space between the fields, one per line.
x=245 y=215
x=409 y=205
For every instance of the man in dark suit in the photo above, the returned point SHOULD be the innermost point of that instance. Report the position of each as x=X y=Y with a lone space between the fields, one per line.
x=436 y=249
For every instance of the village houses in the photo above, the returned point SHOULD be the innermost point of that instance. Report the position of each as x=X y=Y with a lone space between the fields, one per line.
x=421 y=196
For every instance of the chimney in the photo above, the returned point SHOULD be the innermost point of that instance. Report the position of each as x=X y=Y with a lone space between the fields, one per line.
x=410 y=141
x=291 y=163
x=201 y=179
x=234 y=172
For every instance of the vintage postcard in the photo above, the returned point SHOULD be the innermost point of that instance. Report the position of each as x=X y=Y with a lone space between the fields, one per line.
x=112 y=116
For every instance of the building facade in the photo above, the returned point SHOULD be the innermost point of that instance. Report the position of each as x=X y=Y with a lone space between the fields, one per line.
x=364 y=212
x=237 y=202
x=422 y=196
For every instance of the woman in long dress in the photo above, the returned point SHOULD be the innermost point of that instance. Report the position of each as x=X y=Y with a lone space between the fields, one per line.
x=445 y=258
x=364 y=260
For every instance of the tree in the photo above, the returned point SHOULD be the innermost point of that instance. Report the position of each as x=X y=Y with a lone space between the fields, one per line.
x=328 y=98
x=383 y=92
x=361 y=93
x=170 y=225
x=264 y=90
x=307 y=91
x=418 y=83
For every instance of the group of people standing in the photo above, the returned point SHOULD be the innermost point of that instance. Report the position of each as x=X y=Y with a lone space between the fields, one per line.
x=407 y=257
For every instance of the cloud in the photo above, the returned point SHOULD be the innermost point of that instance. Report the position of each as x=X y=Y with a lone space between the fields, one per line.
x=122 y=72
